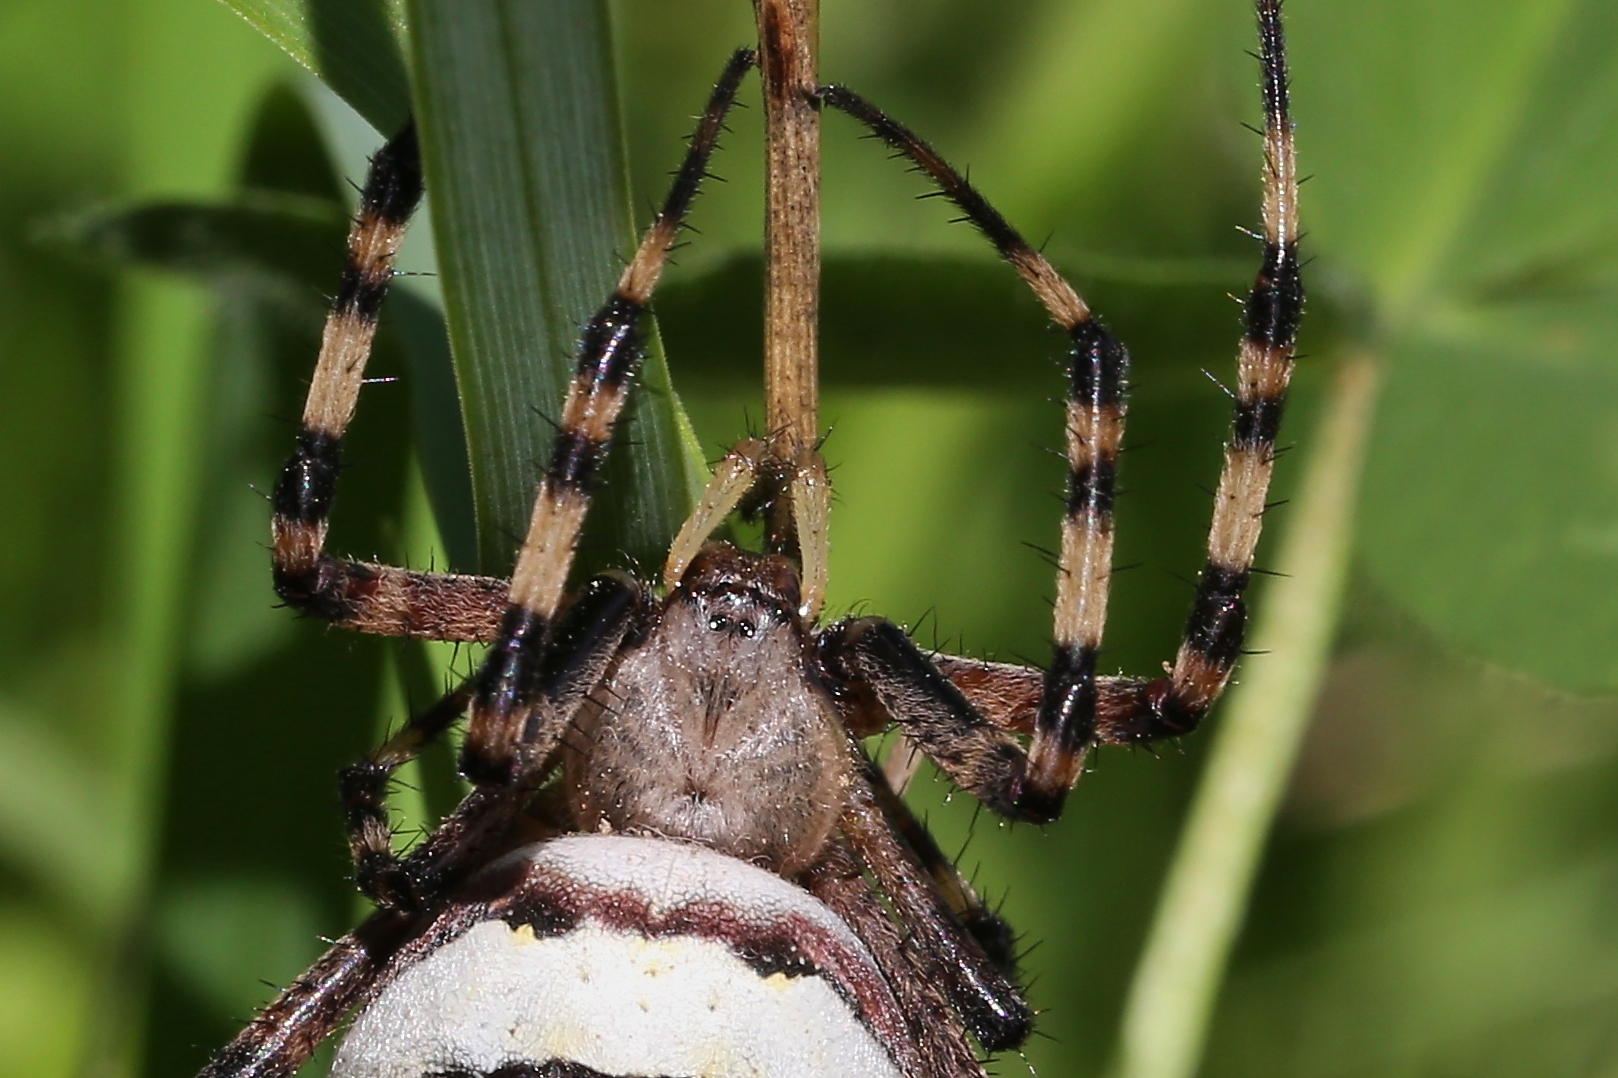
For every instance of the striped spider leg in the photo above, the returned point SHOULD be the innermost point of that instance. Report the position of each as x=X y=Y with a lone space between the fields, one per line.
x=692 y=762
x=523 y=617
x=360 y=595
x=744 y=623
x=533 y=691
x=549 y=648
x=962 y=712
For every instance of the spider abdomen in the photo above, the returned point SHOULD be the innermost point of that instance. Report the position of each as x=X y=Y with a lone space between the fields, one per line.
x=714 y=729
x=626 y=956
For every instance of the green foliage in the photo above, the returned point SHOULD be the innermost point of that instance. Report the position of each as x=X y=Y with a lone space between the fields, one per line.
x=357 y=47
x=531 y=211
x=1482 y=231
x=1434 y=898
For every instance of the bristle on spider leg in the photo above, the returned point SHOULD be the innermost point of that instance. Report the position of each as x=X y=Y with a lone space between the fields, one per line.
x=608 y=358
x=307 y=486
x=1098 y=374
x=1217 y=624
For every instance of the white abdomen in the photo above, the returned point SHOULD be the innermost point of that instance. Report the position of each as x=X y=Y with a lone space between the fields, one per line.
x=674 y=961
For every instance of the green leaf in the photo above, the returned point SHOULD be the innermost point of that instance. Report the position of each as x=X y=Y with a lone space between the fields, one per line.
x=301 y=136
x=288 y=250
x=1465 y=170
x=440 y=438
x=355 y=45
x=1496 y=498
x=272 y=237
x=519 y=127
x=51 y=808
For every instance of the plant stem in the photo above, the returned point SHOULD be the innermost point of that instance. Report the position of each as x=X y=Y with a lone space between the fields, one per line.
x=787 y=33
x=1176 y=983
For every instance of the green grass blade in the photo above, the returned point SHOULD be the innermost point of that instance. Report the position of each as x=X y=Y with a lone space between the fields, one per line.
x=355 y=45
x=525 y=164
x=1166 y=1018
x=258 y=234
x=287 y=250
x=418 y=325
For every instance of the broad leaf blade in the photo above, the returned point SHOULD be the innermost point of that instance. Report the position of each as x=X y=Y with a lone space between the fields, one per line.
x=1496 y=503
x=520 y=130
x=1481 y=226
x=1405 y=113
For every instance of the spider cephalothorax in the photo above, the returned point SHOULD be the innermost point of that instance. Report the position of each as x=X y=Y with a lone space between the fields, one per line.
x=669 y=782
x=714 y=728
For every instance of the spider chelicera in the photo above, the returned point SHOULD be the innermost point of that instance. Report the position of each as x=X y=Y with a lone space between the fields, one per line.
x=676 y=858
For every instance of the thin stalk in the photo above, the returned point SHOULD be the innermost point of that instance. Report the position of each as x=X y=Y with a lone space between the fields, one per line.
x=1177 y=982
x=788 y=33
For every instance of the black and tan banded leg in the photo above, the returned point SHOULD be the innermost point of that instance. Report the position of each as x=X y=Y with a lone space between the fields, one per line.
x=587 y=634
x=1217 y=626
x=1134 y=711
x=938 y=1038
x=361 y=595
x=991 y=930
x=286 y=1032
x=983 y=993
x=364 y=789
x=966 y=714
x=865 y=715
x=1098 y=369
x=501 y=738
x=1076 y=707
x=1008 y=696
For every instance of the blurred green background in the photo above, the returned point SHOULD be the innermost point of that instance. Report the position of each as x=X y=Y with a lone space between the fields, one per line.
x=1436 y=897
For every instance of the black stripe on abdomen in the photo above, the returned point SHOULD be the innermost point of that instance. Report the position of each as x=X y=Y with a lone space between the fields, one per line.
x=550 y=1068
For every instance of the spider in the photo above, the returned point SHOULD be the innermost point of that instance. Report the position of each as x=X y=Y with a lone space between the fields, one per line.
x=676 y=857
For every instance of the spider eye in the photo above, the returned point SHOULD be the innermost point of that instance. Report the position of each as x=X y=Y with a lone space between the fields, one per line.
x=747 y=629
x=718 y=623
